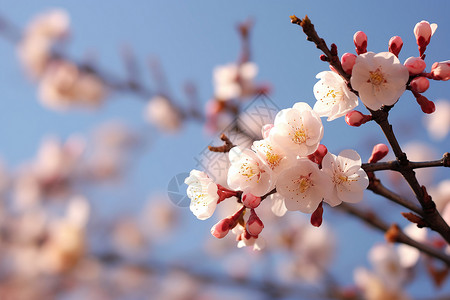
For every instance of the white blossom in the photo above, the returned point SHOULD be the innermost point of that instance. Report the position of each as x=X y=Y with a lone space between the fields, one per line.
x=379 y=78
x=203 y=194
x=248 y=173
x=303 y=186
x=334 y=99
x=297 y=130
x=348 y=178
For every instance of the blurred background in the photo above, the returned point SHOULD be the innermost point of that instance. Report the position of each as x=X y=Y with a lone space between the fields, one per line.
x=106 y=107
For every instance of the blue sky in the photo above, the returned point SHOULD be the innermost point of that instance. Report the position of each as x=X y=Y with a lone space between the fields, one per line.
x=190 y=38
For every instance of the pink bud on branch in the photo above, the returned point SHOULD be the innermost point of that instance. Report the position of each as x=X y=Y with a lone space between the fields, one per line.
x=441 y=70
x=356 y=118
x=221 y=229
x=250 y=200
x=318 y=155
x=426 y=105
x=415 y=65
x=317 y=216
x=360 y=40
x=347 y=62
x=254 y=224
x=420 y=84
x=395 y=45
x=423 y=32
x=378 y=152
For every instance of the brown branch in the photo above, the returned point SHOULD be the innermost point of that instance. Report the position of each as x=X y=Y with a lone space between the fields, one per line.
x=378 y=188
x=226 y=147
x=374 y=221
x=393 y=165
x=431 y=215
x=312 y=36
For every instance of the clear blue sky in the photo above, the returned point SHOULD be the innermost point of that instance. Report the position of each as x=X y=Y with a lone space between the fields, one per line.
x=190 y=38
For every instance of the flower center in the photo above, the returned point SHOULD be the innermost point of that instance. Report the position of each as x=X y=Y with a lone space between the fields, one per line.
x=376 y=77
x=250 y=170
x=304 y=183
x=300 y=136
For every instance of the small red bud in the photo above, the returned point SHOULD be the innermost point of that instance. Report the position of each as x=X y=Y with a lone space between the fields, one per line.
x=347 y=62
x=316 y=217
x=318 y=155
x=379 y=152
x=415 y=65
x=323 y=57
x=250 y=200
x=254 y=224
x=420 y=84
x=356 y=118
x=395 y=45
x=360 y=40
x=334 y=50
x=441 y=70
x=426 y=105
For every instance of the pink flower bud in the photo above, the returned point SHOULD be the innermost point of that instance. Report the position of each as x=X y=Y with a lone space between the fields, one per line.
x=250 y=200
x=360 y=40
x=426 y=105
x=347 y=62
x=265 y=130
x=318 y=155
x=221 y=229
x=423 y=32
x=441 y=70
x=420 y=84
x=415 y=65
x=317 y=216
x=395 y=45
x=254 y=224
x=378 y=153
x=356 y=118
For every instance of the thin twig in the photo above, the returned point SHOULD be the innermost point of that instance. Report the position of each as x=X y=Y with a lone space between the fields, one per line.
x=226 y=147
x=374 y=221
x=393 y=165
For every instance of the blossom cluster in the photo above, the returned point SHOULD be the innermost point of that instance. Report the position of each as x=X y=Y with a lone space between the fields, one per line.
x=62 y=84
x=289 y=166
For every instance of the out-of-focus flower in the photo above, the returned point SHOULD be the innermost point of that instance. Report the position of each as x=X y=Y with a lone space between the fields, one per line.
x=374 y=288
x=65 y=86
x=248 y=173
x=441 y=70
x=379 y=78
x=247 y=240
x=163 y=114
x=203 y=194
x=409 y=255
x=66 y=243
x=438 y=123
x=35 y=48
x=278 y=206
x=334 y=99
x=297 y=130
x=304 y=186
x=441 y=195
x=233 y=81
x=348 y=178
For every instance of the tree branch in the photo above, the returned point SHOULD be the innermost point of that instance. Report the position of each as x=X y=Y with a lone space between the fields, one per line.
x=374 y=221
x=393 y=165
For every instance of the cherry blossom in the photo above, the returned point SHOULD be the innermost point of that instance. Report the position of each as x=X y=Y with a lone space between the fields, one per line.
x=233 y=81
x=297 y=130
x=303 y=186
x=441 y=70
x=248 y=173
x=379 y=78
x=271 y=155
x=203 y=194
x=163 y=114
x=409 y=255
x=348 y=178
x=334 y=99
